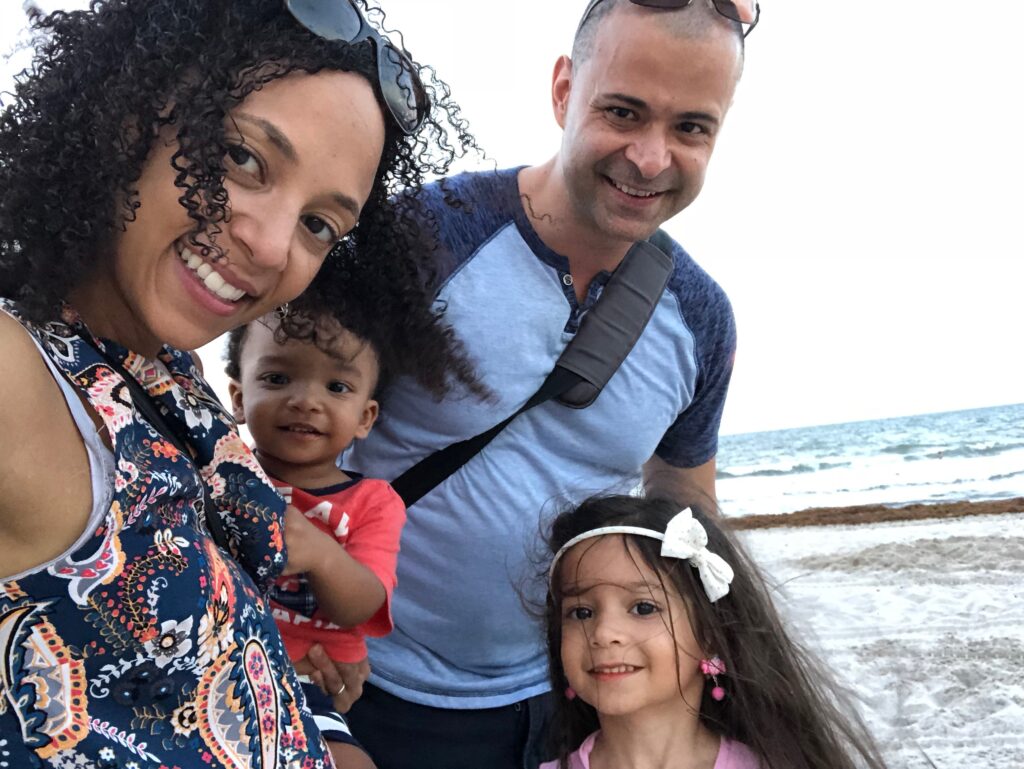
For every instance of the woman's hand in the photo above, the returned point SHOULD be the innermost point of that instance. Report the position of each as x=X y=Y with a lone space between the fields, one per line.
x=308 y=547
x=341 y=681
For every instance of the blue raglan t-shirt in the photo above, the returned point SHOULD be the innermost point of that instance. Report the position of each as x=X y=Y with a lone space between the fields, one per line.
x=462 y=637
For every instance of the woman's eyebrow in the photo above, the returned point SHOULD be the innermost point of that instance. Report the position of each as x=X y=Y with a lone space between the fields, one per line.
x=276 y=137
x=274 y=134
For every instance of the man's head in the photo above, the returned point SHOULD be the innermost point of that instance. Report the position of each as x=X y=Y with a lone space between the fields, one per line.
x=640 y=104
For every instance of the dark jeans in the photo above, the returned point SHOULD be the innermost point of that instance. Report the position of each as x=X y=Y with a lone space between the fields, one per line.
x=403 y=735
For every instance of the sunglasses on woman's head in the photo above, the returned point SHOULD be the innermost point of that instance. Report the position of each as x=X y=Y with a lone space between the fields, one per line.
x=745 y=12
x=400 y=84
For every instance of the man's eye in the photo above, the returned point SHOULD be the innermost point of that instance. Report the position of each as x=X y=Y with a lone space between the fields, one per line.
x=644 y=608
x=274 y=379
x=621 y=113
x=245 y=161
x=692 y=128
x=338 y=387
x=320 y=229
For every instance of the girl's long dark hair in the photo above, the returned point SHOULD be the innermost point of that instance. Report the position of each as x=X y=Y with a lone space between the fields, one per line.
x=84 y=117
x=779 y=701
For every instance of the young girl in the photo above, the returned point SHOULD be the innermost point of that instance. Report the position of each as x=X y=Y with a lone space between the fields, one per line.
x=670 y=653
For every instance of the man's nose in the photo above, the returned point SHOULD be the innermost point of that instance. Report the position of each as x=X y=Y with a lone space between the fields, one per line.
x=649 y=152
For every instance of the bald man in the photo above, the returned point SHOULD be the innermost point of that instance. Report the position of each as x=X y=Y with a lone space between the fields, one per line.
x=463 y=681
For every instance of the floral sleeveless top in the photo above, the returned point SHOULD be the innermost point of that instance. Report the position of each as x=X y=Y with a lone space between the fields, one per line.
x=148 y=647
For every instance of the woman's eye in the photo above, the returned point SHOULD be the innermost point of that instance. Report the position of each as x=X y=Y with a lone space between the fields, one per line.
x=245 y=160
x=579 y=613
x=644 y=608
x=274 y=379
x=338 y=387
x=320 y=229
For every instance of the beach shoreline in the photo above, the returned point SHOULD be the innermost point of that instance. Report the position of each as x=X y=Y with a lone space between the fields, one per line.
x=878 y=513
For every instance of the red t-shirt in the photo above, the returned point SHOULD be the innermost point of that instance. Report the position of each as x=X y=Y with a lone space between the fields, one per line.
x=366 y=516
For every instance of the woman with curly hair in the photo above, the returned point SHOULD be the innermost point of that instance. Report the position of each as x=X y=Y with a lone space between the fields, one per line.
x=171 y=169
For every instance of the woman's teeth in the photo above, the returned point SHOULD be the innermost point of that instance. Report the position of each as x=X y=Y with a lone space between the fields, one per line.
x=210 y=278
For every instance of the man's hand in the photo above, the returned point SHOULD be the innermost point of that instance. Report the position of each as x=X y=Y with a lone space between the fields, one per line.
x=306 y=544
x=341 y=681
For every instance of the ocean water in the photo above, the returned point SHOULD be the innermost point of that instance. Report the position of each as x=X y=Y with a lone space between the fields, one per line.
x=974 y=455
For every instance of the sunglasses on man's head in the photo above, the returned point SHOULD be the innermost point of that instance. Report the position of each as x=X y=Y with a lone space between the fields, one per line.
x=400 y=84
x=745 y=12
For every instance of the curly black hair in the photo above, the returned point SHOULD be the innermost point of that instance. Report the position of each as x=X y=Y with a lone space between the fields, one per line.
x=387 y=306
x=105 y=81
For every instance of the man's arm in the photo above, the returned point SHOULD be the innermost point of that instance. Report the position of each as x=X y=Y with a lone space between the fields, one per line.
x=684 y=484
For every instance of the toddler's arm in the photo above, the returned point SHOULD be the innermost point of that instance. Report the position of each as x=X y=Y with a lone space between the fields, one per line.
x=347 y=592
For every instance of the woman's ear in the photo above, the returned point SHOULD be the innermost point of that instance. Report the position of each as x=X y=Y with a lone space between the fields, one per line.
x=237 y=406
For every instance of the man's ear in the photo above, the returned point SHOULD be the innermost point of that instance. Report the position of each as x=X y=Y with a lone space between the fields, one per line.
x=561 y=87
x=370 y=411
x=237 y=409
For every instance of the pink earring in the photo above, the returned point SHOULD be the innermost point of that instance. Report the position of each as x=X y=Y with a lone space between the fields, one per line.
x=712 y=668
x=570 y=693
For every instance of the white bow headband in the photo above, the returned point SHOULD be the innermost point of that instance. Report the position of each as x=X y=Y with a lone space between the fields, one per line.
x=684 y=538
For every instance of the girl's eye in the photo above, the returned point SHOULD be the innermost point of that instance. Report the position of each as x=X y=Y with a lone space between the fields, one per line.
x=338 y=387
x=579 y=613
x=274 y=379
x=644 y=608
x=245 y=161
x=320 y=229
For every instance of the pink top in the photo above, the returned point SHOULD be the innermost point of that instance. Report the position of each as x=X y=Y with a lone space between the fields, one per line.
x=731 y=755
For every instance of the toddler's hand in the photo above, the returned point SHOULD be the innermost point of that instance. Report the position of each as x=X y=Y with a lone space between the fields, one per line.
x=306 y=544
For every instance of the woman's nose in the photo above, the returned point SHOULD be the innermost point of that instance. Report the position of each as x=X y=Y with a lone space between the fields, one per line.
x=264 y=234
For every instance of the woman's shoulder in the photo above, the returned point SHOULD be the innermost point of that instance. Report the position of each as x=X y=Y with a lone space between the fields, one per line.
x=24 y=369
x=43 y=442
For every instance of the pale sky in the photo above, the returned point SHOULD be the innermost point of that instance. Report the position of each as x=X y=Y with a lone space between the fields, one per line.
x=860 y=209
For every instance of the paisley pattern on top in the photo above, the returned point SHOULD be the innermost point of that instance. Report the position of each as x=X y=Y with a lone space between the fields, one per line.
x=148 y=647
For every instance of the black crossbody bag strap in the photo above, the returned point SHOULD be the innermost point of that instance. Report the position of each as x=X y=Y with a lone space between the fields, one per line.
x=605 y=337
x=173 y=433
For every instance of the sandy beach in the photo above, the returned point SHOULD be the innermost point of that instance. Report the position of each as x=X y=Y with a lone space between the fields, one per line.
x=921 y=616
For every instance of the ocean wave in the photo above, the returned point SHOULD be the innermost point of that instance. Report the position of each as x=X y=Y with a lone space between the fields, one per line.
x=1004 y=476
x=772 y=472
x=969 y=452
x=903 y=448
x=833 y=465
